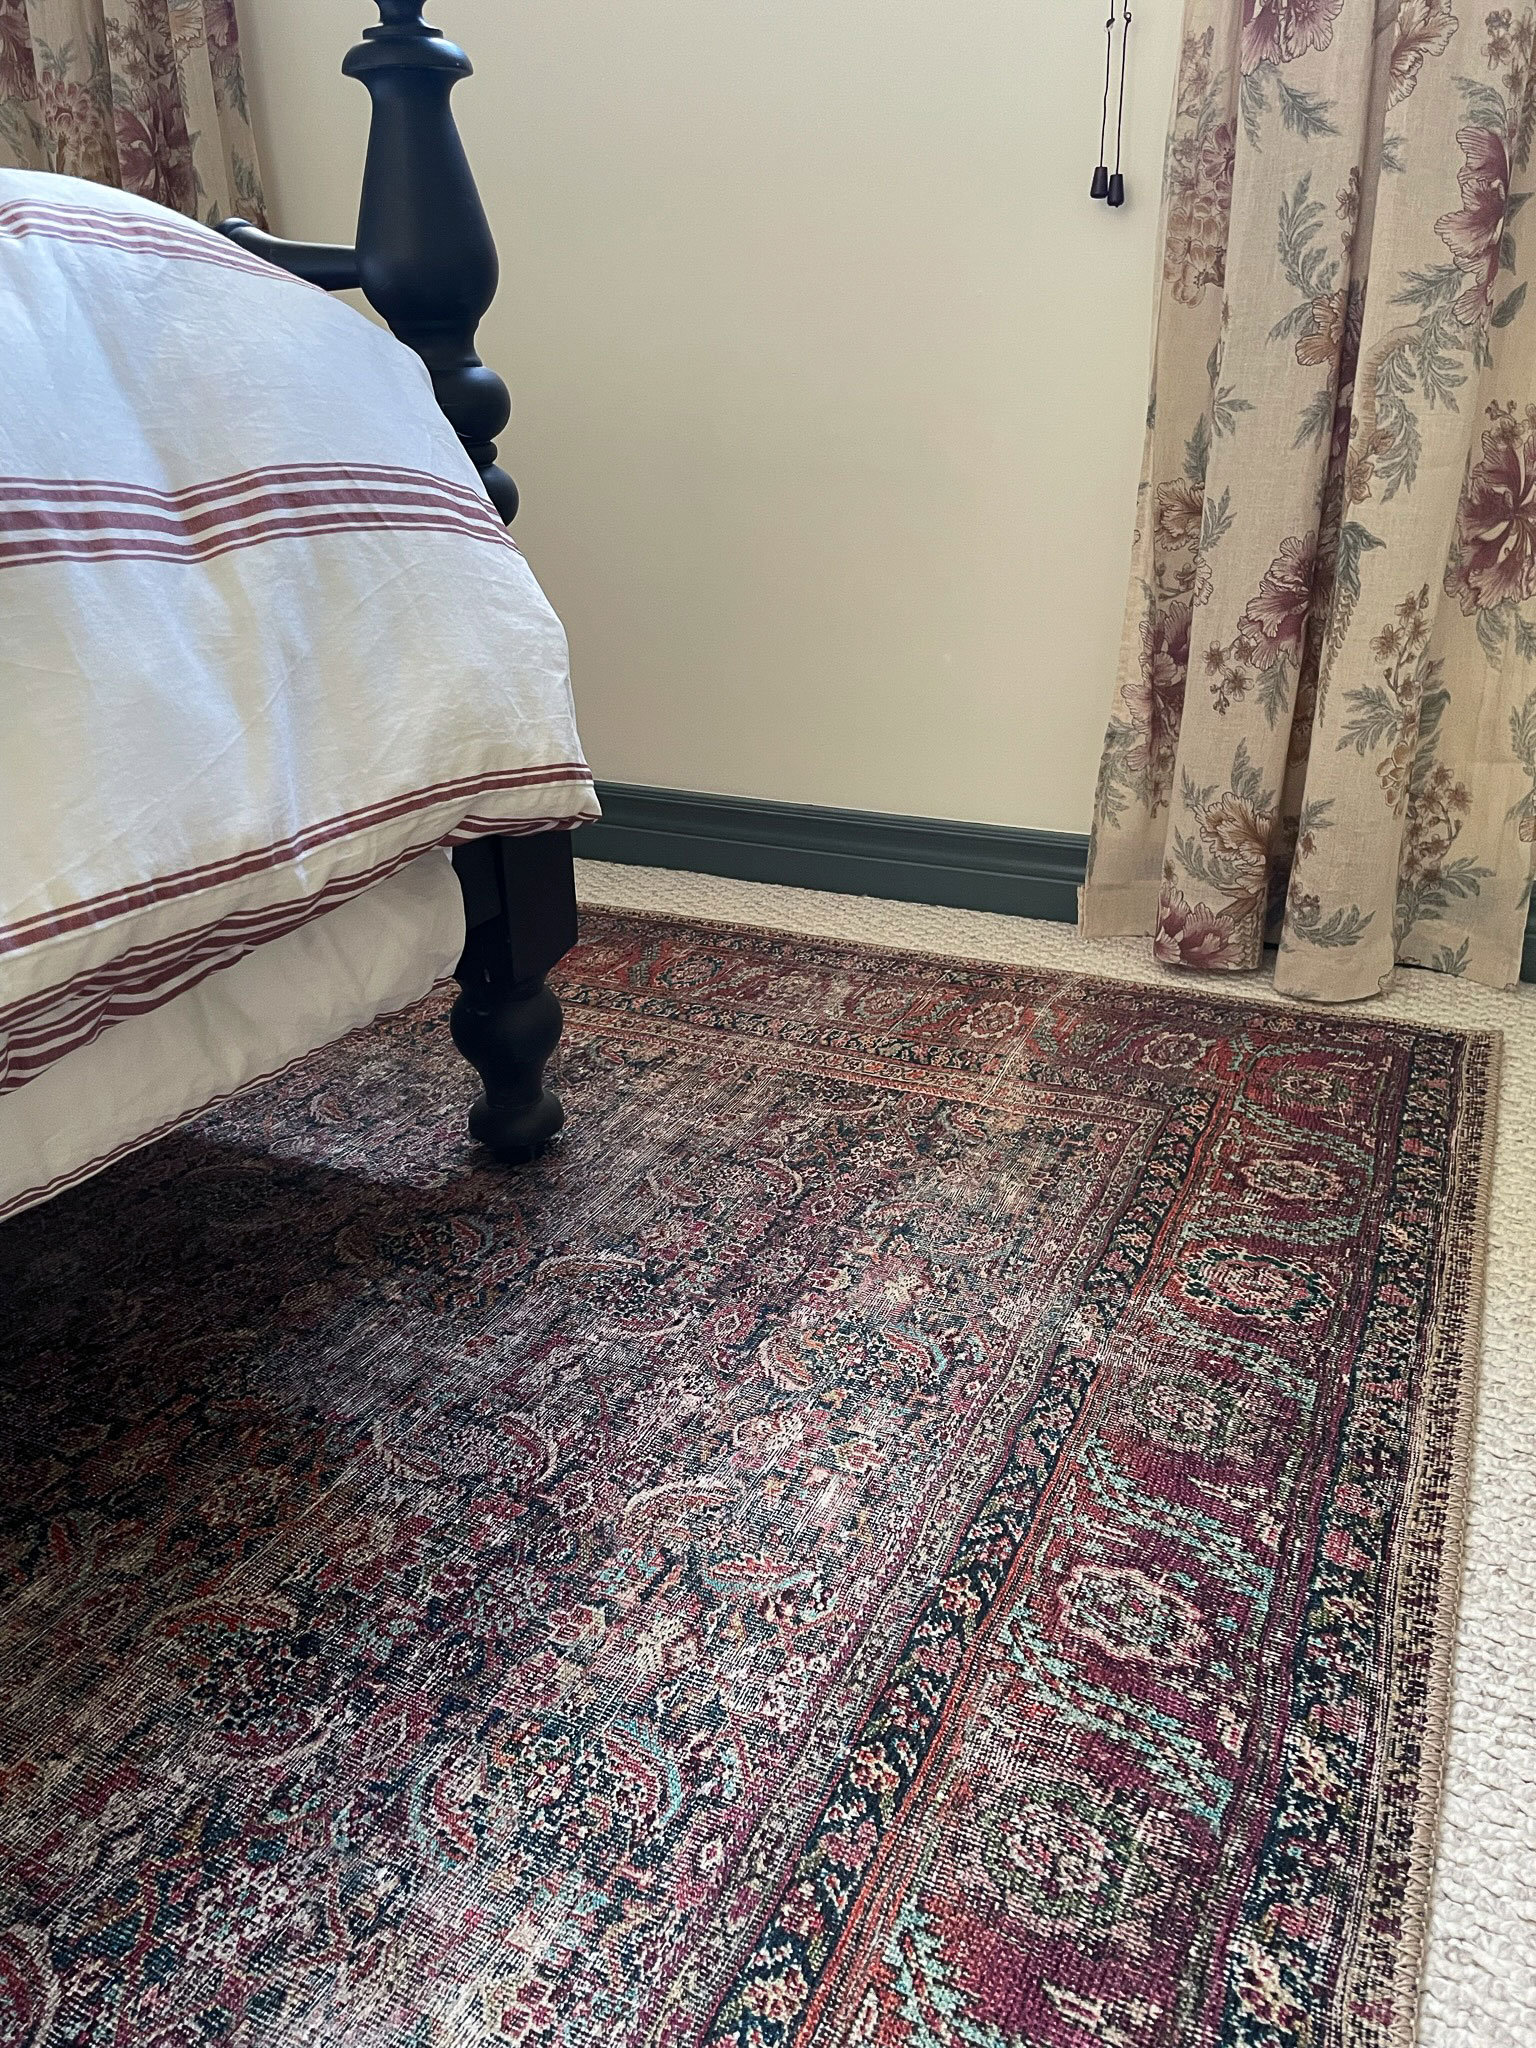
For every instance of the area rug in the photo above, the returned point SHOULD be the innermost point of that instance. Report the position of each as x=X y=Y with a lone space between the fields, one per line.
x=930 y=1520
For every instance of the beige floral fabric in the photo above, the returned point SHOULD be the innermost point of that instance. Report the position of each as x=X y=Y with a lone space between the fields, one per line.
x=147 y=95
x=1324 y=729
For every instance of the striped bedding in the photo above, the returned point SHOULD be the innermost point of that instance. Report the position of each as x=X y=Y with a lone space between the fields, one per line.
x=263 y=640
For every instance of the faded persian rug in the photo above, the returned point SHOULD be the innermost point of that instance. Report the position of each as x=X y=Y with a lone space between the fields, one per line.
x=930 y=1521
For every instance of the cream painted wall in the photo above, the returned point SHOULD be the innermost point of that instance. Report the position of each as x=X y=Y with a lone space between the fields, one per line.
x=829 y=377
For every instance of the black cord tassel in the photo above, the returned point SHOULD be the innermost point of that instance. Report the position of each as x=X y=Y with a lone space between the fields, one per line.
x=1115 y=194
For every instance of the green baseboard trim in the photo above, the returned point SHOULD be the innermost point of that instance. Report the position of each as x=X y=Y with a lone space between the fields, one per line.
x=860 y=853
x=1010 y=868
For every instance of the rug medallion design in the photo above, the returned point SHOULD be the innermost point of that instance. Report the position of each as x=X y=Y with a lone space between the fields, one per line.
x=931 y=1520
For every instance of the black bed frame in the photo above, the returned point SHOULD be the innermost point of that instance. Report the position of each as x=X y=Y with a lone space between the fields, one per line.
x=425 y=261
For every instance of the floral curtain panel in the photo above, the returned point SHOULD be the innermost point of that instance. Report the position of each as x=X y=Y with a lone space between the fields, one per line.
x=1324 y=731
x=144 y=94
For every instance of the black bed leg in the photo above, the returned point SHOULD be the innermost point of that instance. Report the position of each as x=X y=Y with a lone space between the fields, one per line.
x=507 y=1034
x=520 y=914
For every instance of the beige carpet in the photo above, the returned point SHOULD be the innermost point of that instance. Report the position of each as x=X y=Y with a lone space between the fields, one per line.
x=1480 y=1989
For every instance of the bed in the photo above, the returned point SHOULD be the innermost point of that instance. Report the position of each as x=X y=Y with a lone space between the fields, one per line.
x=286 y=730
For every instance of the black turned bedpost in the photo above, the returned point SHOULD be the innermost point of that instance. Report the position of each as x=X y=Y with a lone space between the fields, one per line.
x=426 y=262
x=425 y=257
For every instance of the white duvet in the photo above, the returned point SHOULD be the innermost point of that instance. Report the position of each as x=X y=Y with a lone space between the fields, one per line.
x=263 y=640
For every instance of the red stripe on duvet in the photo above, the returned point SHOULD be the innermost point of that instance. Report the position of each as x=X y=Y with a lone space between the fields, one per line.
x=77 y=1014
x=31 y=931
x=370 y=477
x=132 y=234
x=72 y=519
x=144 y=968
x=125 y=548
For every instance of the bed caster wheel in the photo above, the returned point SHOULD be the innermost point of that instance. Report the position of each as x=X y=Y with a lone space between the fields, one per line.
x=507 y=1034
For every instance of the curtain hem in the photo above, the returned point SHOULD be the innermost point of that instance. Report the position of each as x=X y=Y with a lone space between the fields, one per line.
x=1117 y=910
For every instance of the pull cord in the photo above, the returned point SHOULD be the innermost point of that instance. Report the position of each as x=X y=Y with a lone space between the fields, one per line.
x=1115 y=195
x=1099 y=188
